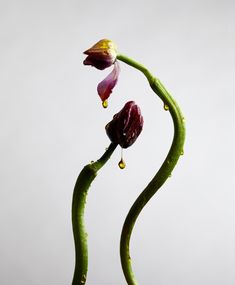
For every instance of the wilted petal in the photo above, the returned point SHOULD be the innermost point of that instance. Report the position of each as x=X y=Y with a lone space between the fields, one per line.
x=126 y=125
x=106 y=86
x=102 y=55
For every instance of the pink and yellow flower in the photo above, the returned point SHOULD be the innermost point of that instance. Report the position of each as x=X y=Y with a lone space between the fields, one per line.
x=103 y=55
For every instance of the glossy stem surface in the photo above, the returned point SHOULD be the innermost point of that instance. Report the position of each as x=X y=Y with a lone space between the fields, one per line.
x=82 y=185
x=162 y=174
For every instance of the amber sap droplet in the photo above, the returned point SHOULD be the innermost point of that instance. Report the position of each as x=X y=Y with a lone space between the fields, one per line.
x=166 y=107
x=105 y=104
x=122 y=164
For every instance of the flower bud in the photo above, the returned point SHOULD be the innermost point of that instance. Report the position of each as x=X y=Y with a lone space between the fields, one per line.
x=102 y=55
x=126 y=125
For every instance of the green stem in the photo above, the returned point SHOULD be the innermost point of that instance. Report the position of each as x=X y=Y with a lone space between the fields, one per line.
x=163 y=173
x=82 y=185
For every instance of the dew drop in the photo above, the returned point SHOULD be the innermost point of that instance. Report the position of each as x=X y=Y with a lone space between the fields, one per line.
x=122 y=164
x=92 y=161
x=183 y=120
x=105 y=104
x=169 y=175
x=166 y=107
x=83 y=279
x=182 y=152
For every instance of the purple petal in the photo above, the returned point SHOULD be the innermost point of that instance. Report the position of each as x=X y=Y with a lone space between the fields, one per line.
x=106 y=86
x=98 y=62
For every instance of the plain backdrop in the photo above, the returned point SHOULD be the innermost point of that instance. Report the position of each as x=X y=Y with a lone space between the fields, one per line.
x=52 y=124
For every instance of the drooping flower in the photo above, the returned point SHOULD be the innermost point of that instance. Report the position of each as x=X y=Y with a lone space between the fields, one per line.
x=102 y=55
x=126 y=125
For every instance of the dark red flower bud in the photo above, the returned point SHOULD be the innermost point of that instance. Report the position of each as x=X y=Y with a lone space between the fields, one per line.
x=126 y=125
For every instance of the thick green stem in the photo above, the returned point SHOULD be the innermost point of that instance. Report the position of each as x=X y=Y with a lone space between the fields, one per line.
x=163 y=173
x=82 y=185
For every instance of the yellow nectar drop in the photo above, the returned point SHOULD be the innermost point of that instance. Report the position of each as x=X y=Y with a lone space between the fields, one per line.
x=166 y=107
x=122 y=164
x=105 y=104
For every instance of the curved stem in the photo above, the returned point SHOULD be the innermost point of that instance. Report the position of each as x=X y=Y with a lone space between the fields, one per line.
x=163 y=173
x=82 y=185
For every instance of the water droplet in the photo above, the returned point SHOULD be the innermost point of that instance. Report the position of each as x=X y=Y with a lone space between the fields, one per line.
x=83 y=280
x=105 y=103
x=182 y=152
x=166 y=107
x=169 y=175
x=122 y=164
x=92 y=161
x=183 y=119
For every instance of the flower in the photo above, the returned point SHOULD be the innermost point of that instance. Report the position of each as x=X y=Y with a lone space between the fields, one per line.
x=126 y=125
x=102 y=55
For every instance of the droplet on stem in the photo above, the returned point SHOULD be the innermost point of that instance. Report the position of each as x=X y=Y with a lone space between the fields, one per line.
x=83 y=280
x=105 y=104
x=182 y=152
x=166 y=107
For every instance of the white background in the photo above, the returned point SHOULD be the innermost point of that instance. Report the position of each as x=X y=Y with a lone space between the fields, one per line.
x=52 y=124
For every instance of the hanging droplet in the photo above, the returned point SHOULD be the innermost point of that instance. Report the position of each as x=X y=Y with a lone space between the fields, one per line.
x=166 y=107
x=105 y=103
x=122 y=164
x=182 y=152
x=83 y=280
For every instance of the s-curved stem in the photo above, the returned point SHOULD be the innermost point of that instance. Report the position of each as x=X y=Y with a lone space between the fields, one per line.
x=82 y=185
x=163 y=173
